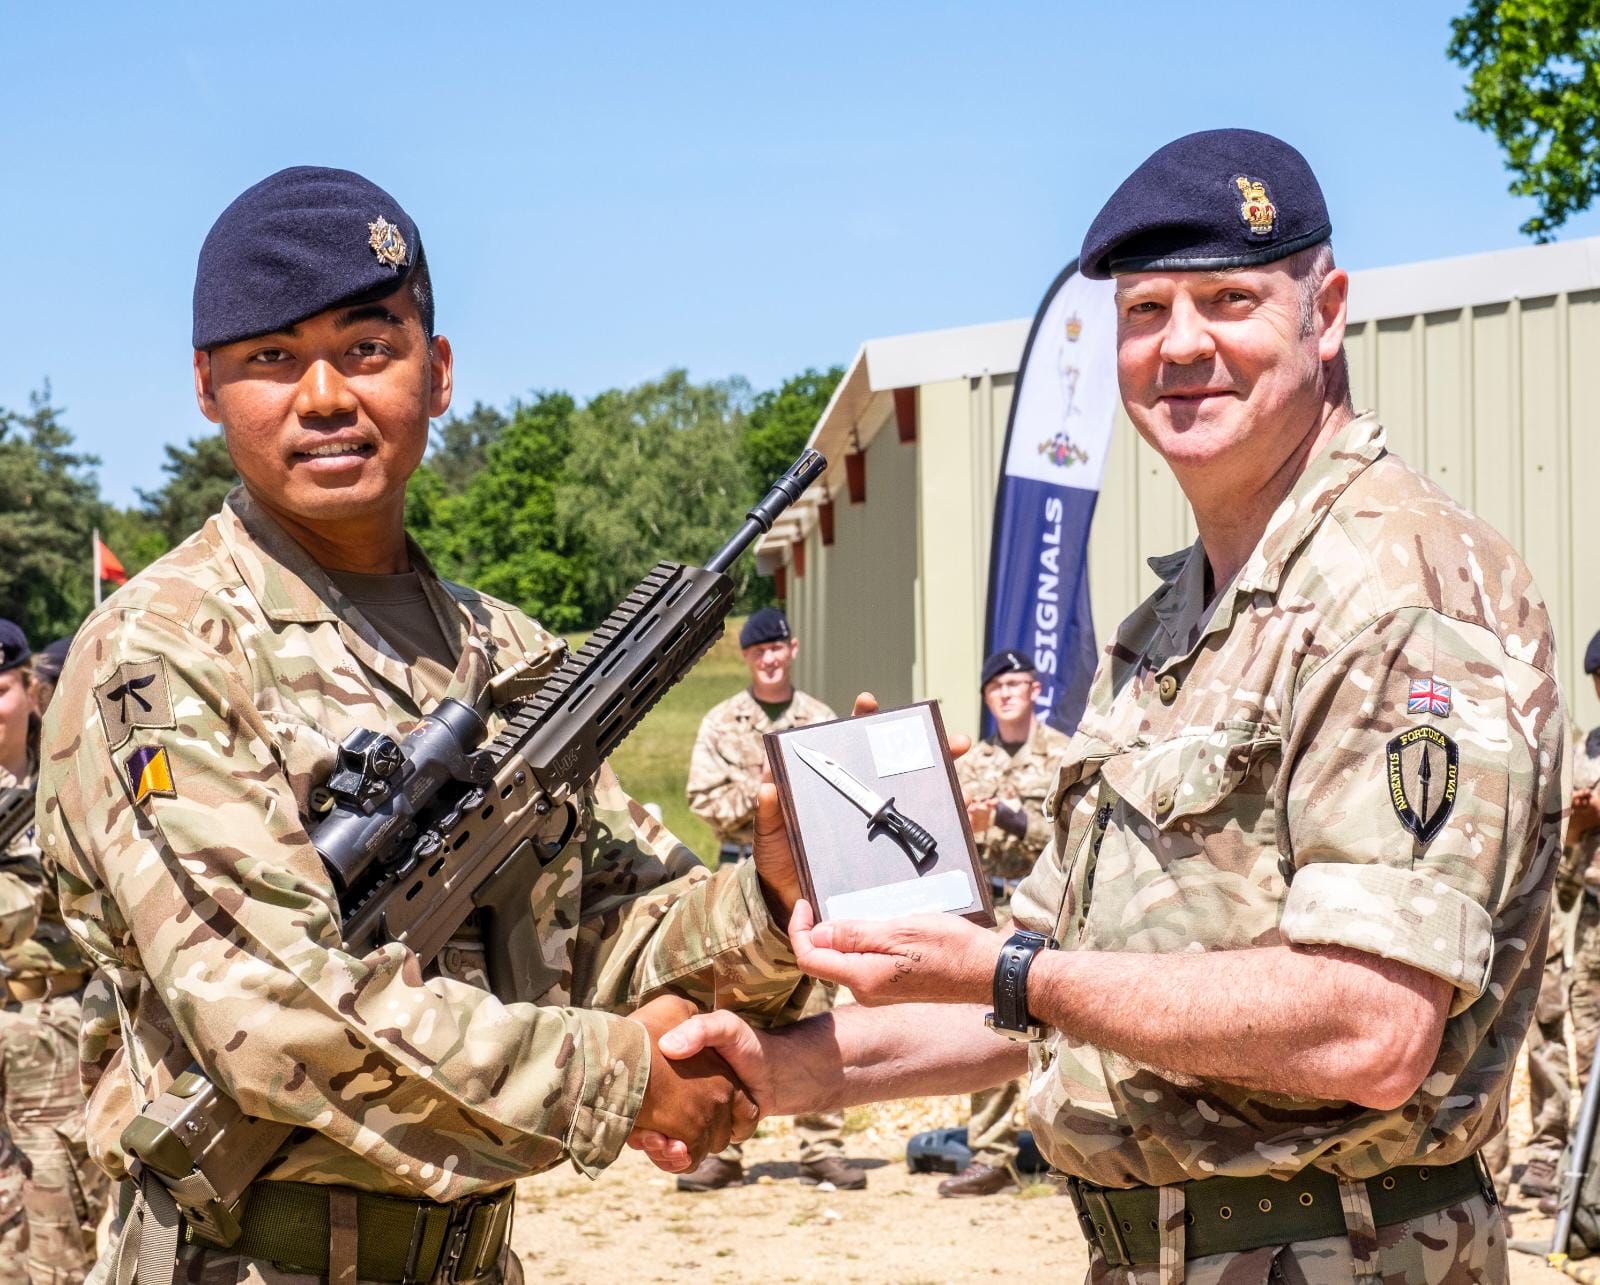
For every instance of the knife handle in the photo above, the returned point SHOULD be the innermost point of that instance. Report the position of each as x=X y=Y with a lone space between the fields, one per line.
x=907 y=831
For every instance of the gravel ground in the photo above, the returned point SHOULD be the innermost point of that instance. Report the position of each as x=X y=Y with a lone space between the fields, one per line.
x=633 y=1225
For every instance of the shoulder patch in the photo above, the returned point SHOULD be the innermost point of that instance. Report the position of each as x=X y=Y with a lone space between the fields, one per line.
x=150 y=773
x=1424 y=772
x=135 y=696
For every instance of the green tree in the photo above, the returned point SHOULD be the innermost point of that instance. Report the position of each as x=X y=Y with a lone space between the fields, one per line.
x=134 y=536
x=653 y=472
x=781 y=420
x=461 y=444
x=199 y=475
x=779 y=425
x=51 y=505
x=1534 y=84
x=500 y=533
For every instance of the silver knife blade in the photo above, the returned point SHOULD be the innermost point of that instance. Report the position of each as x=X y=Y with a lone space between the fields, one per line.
x=841 y=778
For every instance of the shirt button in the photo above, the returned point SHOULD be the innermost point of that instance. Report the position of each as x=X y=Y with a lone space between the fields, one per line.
x=1163 y=803
x=1167 y=689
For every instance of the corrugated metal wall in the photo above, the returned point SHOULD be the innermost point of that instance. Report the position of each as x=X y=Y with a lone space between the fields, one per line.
x=855 y=610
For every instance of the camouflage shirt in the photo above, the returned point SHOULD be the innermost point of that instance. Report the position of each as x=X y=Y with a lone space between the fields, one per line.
x=200 y=707
x=1254 y=768
x=1022 y=779
x=725 y=768
x=34 y=942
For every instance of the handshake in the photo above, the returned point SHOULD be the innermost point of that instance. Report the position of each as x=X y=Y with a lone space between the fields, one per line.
x=696 y=1103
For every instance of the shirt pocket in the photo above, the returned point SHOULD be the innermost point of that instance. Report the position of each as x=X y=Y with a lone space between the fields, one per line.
x=1196 y=772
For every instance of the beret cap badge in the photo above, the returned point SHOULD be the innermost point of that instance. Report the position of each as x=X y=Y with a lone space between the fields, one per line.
x=1257 y=209
x=387 y=243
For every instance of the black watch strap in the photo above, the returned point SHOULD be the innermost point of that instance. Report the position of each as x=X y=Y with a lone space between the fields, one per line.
x=1011 y=1016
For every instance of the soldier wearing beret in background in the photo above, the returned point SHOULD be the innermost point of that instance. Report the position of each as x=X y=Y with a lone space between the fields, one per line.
x=1305 y=834
x=724 y=775
x=1005 y=777
x=47 y=1223
x=199 y=715
x=46 y=670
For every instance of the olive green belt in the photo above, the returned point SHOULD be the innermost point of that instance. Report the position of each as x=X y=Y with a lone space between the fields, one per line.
x=1230 y=1215
x=288 y=1223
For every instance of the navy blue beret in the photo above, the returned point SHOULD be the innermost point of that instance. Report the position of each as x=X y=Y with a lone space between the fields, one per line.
x=1591 y=658
x=1009 y=661
x=764 y=626
x=297 y=243
x=13 y=645
x=1224 y=198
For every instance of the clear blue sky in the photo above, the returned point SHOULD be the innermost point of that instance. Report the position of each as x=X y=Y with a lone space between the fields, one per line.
x=607 y=191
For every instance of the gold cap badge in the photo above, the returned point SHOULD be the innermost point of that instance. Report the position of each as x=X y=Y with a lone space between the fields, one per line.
x=387 y=243
x=1074 y=328
x=1257 y=210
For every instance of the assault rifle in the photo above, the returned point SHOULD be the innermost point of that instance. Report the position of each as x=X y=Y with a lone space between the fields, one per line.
x=427 y=831
x=16 y=813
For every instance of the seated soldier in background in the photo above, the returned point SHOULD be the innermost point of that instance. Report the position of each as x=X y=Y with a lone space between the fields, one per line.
x=724 y=775
x=48 y=1221
x=1005 y=779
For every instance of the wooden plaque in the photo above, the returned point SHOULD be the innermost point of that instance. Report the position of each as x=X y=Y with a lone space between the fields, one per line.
x=851 y=869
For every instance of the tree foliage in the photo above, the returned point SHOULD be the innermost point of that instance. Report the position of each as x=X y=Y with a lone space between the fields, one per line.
x=652 y=472
x=199 y=475
x=781 y=420
x=461 y=445
x=498 y=532
x=51 y=504
x=1534 y=84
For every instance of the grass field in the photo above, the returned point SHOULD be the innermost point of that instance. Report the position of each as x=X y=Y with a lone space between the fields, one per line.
x=653 y=763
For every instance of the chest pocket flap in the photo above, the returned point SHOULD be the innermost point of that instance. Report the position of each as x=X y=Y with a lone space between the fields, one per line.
x=1191 y=773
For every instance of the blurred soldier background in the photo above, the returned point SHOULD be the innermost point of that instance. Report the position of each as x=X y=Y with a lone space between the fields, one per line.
x=724 y=774
x=1005 y=779
x=51 y=1194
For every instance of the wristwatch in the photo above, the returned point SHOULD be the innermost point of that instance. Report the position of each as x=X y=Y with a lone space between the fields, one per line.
x=1010 y=1016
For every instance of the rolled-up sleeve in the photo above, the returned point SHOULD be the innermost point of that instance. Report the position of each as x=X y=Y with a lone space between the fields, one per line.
x=1410 y=796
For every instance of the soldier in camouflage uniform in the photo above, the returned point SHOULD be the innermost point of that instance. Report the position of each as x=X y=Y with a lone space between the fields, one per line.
x=64 y=1193
x=1575 y=993
x=198 y=715
x=1305 y=834
x=1005 y=779
x=724 y=775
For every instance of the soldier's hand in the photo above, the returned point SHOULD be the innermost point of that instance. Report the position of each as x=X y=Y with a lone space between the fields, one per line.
x=697 y=1100
x=980 y=813
x=773 y=856
x=941 y=959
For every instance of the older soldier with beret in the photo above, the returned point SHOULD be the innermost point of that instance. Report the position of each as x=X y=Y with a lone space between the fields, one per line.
x=1005 y=778
x=200 y=712
x=1304 y=836
x=51 y=1194
x=723 y=786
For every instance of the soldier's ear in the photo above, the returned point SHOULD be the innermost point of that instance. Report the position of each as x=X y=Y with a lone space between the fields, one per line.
x=204 y=390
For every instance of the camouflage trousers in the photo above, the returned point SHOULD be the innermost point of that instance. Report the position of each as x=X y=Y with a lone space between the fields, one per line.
x=992 y=1129
x=42 y=1102
x=1462 y=1245
x=821 y=1133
